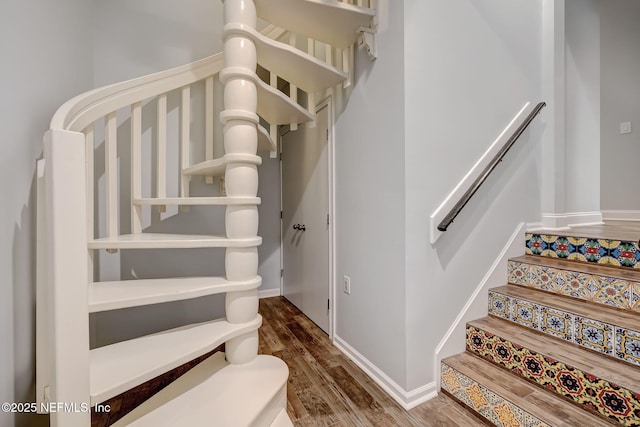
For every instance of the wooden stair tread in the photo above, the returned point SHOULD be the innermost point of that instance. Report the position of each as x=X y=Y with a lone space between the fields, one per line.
x=115 y=295
x=277 y=108
x=333 y=22
x=546 y=406
x=217 y=167
x=170 y=241
x=196 y=201
x=217 y=393
x=294 y=65
x=596 y=269
x=611 y=230
x=593 y=363
x=118 y=367
x=600 y=312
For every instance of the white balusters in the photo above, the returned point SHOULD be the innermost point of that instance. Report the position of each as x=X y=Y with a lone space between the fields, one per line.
x=185 y=139
x=293 y=89
x=208 y=114
x=161 y=147
x=311 y=97
x=136 y=166
x=89 y=137
x=111 y=174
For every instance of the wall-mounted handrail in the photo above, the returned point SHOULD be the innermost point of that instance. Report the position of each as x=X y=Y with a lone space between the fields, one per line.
x=453 y=213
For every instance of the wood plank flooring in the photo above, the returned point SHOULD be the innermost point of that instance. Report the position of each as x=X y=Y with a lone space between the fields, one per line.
x=326 y=389
x=615 y=230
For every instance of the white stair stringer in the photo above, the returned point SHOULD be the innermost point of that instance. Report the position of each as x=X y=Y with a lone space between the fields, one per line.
x=119 y=367
x=282 y=420
x=215 y=393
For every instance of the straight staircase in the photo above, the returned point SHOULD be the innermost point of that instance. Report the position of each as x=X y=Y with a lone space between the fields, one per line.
x=561 y=343
x=237 y=387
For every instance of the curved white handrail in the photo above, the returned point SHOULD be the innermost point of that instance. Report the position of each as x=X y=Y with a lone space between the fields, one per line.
x=82 y=110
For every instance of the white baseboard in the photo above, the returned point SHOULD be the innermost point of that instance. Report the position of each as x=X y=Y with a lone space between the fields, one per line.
x=406 y=399
x=621 y=215
x=268 y=293
x=453 y=341
x=566 y=220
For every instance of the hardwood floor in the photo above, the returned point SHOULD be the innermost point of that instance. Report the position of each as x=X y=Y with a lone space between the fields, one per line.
x=612 y=229
x=326 y=389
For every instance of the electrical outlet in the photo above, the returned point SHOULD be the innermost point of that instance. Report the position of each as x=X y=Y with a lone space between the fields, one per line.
x=346 y=283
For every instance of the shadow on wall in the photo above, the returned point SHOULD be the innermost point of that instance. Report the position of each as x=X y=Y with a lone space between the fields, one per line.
x=24 y=312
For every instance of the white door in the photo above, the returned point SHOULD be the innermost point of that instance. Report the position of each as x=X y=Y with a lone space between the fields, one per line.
x=305 y=225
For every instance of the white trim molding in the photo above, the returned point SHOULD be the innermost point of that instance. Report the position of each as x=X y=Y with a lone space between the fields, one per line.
x=453 y=341
x=564 y=221
x=268 y=293
x=465 y=183
x=406 y=399
x=621 y=215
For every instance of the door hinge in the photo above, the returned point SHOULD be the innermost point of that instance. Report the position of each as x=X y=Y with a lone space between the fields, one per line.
x=327 y=219
x=282 y=272
x=327 y=134
x=280 y=214
x=328 y=304
x=280 y=156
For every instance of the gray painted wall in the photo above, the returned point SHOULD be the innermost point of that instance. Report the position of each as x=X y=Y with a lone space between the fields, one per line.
x=469 y=68
x=47 y=58
x=582 y=100
x=620 y=97
x=370 y=219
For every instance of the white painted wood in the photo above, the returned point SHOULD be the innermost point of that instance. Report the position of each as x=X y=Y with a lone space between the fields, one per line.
x=293 y=90
x=302 y=69
x=334 y=23
x=199 y=201
x=111 y=174
x=43 y=350
x=136 y=166
x=216 y=392
x=621 y=215
x=171 y=241
x=305 y=201
x=185 y=139
x=89 y=133
x=68 y=326
x=77 y=113
x=217 y=167
x=273 y=106
x=282 y=420
x=266 y=142
x=465 y=183
x=105 y=296
x=118 y=367
x=407 y=399
x=277 y=108
x=208 y=131
x=161 y=148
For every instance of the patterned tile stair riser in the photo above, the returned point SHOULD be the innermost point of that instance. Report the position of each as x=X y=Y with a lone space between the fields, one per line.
x=601 y=251
x=606 y=290
x=489 y=405
x=612 y=340
x=592 y=393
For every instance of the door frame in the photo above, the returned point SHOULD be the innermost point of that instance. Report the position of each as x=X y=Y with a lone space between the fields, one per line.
x=326 y=102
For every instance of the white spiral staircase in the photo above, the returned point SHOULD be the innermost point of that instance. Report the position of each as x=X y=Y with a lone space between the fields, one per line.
x=235 y=388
